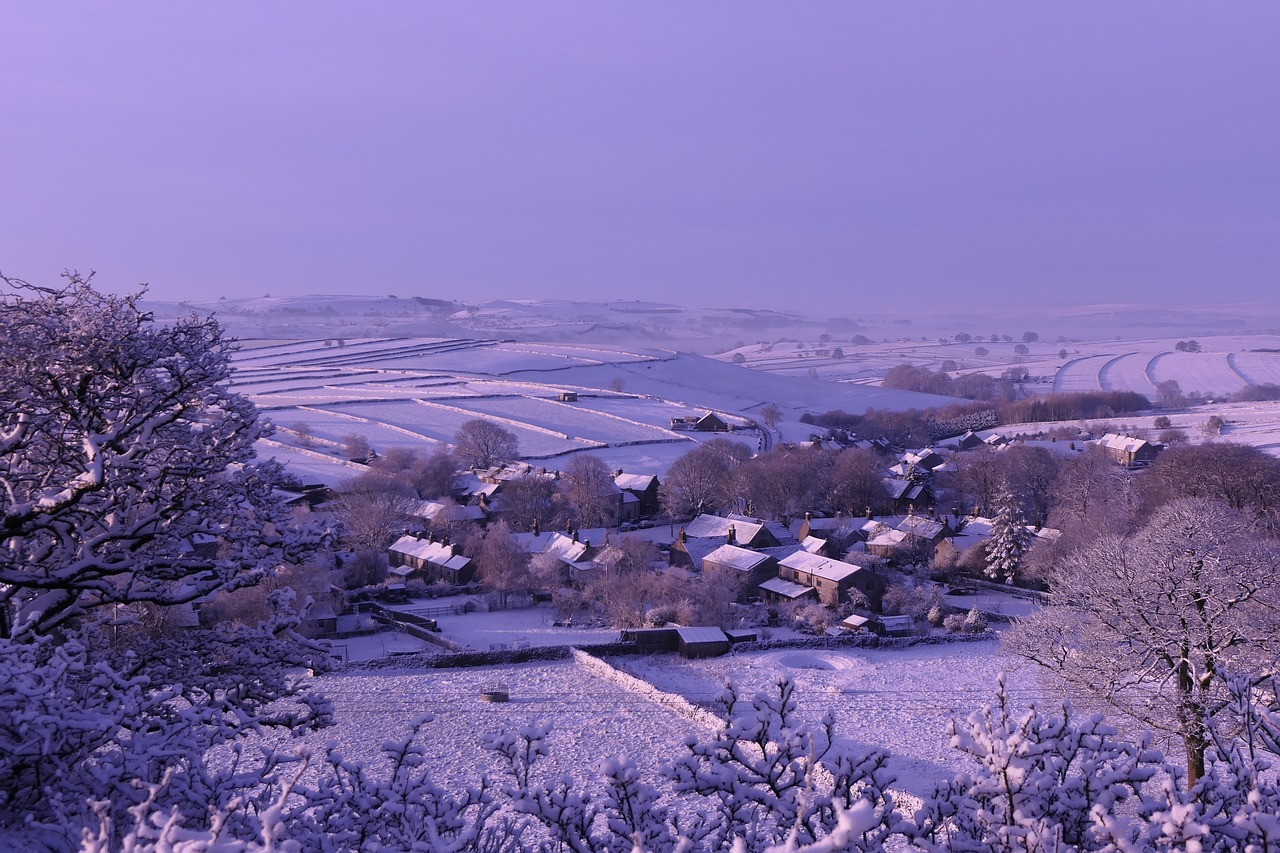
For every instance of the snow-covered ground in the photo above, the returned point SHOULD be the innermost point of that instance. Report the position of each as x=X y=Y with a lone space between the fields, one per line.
x=900 y=700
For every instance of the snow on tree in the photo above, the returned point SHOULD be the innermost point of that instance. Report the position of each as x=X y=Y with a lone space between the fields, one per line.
x=1041 y=782
x=1009 y=540
x=119 y=441
x=773 y=778
x=1151 y=623
x=120 y=445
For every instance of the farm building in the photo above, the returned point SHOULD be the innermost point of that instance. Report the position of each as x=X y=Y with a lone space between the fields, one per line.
x=1128 y=451
x=691 y=642
x=702 y=642
x=710 y=422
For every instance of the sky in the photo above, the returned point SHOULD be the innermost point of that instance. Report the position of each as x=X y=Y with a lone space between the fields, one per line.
x=742 y=153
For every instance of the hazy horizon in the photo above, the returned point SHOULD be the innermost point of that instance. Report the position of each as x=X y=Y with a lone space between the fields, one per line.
x=939 y=154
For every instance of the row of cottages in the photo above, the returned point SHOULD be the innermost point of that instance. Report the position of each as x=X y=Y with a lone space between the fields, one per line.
x=430 y=560
x=1129 y=451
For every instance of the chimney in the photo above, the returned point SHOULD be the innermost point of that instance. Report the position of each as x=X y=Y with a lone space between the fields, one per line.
x=732 y=536
x=870 y=514
x=575 y=536
x=455 y=549
x=806 y=517
x=537 y=528
x=683 y=537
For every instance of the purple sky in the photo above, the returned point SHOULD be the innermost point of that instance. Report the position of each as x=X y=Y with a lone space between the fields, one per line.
x=779 y=154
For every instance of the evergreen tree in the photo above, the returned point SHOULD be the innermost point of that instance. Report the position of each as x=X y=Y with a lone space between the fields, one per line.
x=1010 y=540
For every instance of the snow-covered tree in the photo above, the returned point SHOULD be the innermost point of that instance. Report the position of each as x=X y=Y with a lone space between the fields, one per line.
x=1040 y=782
x=1009 y=540
x=119 y=442
x=122 y=456
x=773 y=778
x=1151 y=623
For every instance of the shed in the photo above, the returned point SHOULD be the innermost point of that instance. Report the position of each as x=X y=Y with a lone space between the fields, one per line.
x=702 y=642
x=653 y=639
x=896 y=626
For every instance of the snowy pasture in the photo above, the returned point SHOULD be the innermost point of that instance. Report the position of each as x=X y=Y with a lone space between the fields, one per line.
x=1225 y=364
x=900 y=700
x=591 y=718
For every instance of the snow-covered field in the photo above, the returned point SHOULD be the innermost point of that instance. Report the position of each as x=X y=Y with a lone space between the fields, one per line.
x=900 y=700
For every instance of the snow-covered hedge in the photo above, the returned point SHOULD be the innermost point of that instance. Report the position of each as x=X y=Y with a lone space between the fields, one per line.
x=640 y=687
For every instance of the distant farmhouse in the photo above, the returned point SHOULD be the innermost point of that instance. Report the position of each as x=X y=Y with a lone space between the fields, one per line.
x=710 y=422
x=1128 y=451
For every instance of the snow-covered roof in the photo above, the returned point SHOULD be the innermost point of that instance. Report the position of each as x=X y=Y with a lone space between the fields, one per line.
x=813 y=544
x=634 y=482
x=902 y=489
x=887 y=538
x=426 y=509
x=918 y=525
x=785 y=588
x=826 y=523
x=819 y=566
x=713 y=526
x=1127 y=443
x=555 y=542
x=702 y=634
x=739 y=559
x=436 y=553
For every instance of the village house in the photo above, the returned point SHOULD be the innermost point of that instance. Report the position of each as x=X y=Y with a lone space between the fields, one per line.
x=642 y=489
x=780 y=591
x=823 y=528
x=903 y=493
x=832 y=579
x=912 y=537
x=741 y=567
x=707 y=532
x=746 y=531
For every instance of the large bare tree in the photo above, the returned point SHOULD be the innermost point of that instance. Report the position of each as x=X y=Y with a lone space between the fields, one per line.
x=482 y=444
x=589 y=488
x=1151 y=624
